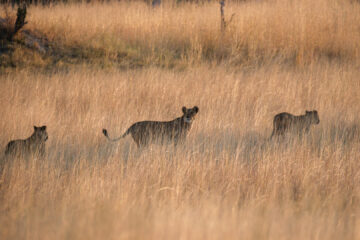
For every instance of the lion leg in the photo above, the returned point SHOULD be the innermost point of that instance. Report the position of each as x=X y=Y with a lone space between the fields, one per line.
x=273 y=133
x=137 y=141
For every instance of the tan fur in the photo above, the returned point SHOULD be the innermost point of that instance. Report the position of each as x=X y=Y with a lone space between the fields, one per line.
x=35 y=144
x=147 y=132
x=286 y=122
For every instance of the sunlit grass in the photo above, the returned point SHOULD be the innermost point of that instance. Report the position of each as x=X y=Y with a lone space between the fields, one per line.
x=295 y=33
x=227 y=181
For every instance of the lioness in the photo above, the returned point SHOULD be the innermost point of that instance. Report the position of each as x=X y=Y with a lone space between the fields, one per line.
x=286 y=122
x=35 y=144
x=147 y=132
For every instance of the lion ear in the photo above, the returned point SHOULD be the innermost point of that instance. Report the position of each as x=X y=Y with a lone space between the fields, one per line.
x=35 y=128
x=196 y=109
x=184 y=109
x=43 y=128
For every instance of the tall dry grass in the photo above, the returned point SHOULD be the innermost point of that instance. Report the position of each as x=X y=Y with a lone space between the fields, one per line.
x=226 y=182
x=295 y=32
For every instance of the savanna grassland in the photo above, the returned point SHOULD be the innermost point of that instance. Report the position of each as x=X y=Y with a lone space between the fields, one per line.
x=110 y=65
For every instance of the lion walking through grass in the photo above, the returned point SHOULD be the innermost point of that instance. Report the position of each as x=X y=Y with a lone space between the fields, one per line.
x=147 y=132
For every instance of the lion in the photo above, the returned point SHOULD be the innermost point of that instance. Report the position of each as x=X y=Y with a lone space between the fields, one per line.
x=286 y=122
x=146 y=132
x=35 y=144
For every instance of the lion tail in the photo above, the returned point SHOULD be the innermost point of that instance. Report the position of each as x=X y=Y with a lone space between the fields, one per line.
x=105 y=132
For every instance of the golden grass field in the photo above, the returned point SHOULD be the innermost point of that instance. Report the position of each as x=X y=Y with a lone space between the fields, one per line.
x=228 y=181
x=294 y=33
